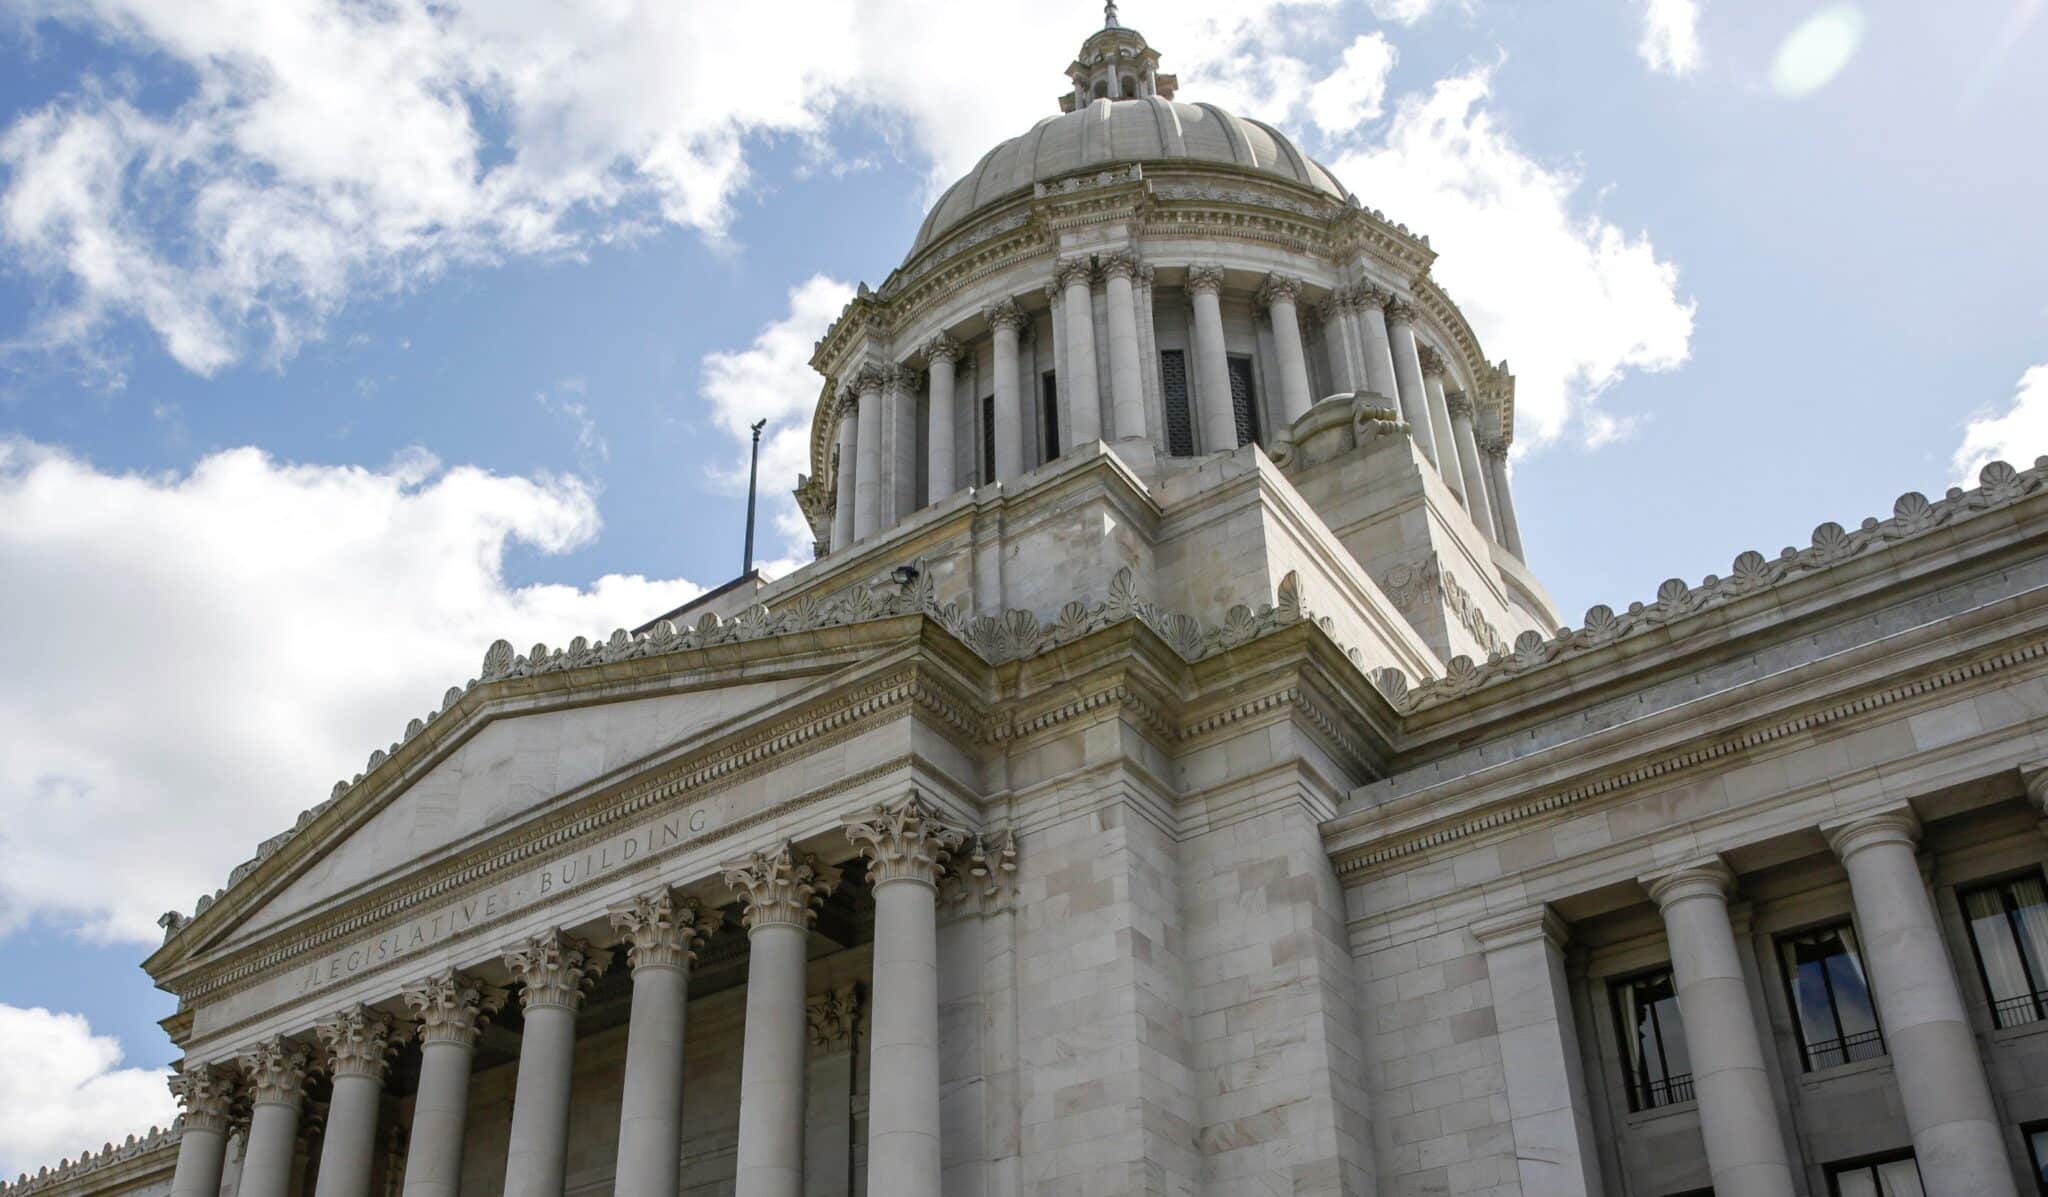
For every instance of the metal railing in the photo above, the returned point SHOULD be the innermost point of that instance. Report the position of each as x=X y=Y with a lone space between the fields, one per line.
x=1829 y=1053
x=1666 y=1091
x=2016 y=1011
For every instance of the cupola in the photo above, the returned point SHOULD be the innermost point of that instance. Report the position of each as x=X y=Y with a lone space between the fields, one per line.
x=1115 y=64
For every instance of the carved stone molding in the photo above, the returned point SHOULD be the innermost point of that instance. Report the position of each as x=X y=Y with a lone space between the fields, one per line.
x=942 y=348
x=1400 y=311
x=1367 y=296
x=1004 y=314
x=981 y=878
x=556 y=970
x=207 y=1093
x=904 y=840
x=1204 y=278
x=451 y=1007
x=1432 y=361
x=1279 y=288
x=833 y=1019
x=870 y=378
x=1330 y=307
x=1458 y=404
x=358 y=1041
x=782 y=887
x=1709 y=877
x=1069 y=271
x=1122 y=264
x=1145 y=274
x=275 y=1072
x=663 y=929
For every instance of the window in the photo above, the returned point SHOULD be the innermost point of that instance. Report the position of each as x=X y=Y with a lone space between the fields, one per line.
x=1652 y=1041
x=1049 y=393
x=1886 y=1176
x=988 y=439
x=2009 y=930
x=1830 y=998
x=2036 y=1135
x=1173 y=378
x=1243 y=403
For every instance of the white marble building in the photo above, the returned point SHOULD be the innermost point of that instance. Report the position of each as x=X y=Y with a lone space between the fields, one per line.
x=1170 y=779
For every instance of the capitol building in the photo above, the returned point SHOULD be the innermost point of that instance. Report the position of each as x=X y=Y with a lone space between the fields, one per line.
x=1171 y=778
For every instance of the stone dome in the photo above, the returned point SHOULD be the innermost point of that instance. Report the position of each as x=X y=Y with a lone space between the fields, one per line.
x=1107 y=132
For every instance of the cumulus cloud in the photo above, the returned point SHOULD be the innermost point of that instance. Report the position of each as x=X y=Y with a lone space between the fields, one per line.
x=2017 y=435
x=1573 y=301
x=1671 y=36
x=1355 y=91
x=193 y=658
x=65 y=1092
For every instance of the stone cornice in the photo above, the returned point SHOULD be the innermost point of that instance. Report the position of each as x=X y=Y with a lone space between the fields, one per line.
x=120 y=1166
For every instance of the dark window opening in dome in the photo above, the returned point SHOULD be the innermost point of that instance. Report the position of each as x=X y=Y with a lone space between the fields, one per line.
x=988 y=439
x=1244 y=400
x=1101 y=89
x=1130 y=88
x=922 y=458
x=1173 y=378
x=1049 y=403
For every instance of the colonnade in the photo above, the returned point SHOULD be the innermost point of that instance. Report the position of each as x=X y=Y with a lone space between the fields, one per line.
x=908 y=846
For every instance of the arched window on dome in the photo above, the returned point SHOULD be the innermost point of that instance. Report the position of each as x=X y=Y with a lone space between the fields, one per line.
x=1130 y=88
x=1102 y=89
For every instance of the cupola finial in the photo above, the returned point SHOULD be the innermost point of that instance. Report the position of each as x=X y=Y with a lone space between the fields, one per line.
x=1109 y=15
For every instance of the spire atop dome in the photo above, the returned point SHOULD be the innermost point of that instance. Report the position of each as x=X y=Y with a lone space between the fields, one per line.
x=1115 y=63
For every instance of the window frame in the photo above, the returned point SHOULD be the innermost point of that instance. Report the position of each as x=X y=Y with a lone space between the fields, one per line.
x=1783 y=940
x=1871 y=1163
x=2037 y=1157
x=988 y=438
x=1625 y=1032
x=2037 y=995
x=1252 y=416
x=1049 y=413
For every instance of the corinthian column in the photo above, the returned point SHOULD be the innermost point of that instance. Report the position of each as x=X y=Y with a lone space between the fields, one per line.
x=1414 y=397
x=275 y=1072
x=358 y=1043
x=1448 y=463
x=781 y=890
x=1006 y=320
x=206 y=1091
x=1503 y=498
x=1956 y=1134
x=1084 y=399
x=940 y=354
x=906 y=846
x=449 y=1008
x=663 y=931
x=1278 y=296
x=843 y=511
x=1126 y=383
x=869 y=493
x=1344 y=373
x=1738 y=1113
x=1212 y=363
x=1369 y=305
x=555 y=970
x=1477 y=501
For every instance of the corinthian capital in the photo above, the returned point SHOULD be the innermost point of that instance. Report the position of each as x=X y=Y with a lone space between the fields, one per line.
x=832 y=1017
x=556 y=969
x=275 y=1071
x=1122 y=264
x=663 y=929
x=1073 y=270
x=358 y=1041
x=904 y=841
x=451 y=1007
x=1365 y=295
x=1432 y=361
x=207 y=1091
x=871 y=378
x=1204 y=279
x=1458 y=404
x=942 y=348
x=780 y=887
x=1004 y=315
x=1400 y=311
x=1279 y=288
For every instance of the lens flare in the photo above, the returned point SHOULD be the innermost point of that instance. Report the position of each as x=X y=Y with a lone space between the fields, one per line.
x=1815 y=52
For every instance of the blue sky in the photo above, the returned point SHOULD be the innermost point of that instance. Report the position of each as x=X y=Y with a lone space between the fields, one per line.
x=338 y=340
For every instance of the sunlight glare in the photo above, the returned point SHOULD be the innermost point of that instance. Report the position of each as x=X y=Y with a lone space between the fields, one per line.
x=1815 y=52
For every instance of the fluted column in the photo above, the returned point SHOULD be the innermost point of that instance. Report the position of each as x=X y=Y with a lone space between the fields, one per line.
x=1448 y=463
x=1006 y=320
x=1212 y=363
x=781 y=890
x=275 y=1071
x=1503 y=497
x=449 y=1008
x=663 y=929
x=1477 y=501
x=870 y=492
x=906 y=845
x=899 y=405
x=1344 y=375
x=843 y=512
x=1126 y=382
x=358 y=1044
x=1278 y=295
x=1368 y=304
x=1956 y=1134
x=1076 y=278
x=206 y=1091
x=1414 y=397
x=1738 y=1112
x=940 y=354
x=555 y=970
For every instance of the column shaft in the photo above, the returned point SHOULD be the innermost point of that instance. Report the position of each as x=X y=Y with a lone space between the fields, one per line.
x=843 y=512
x=1956 y=1132
x=1414 y=398
x=1126 y=383
x=1738 y=1111
x=1503 y=499
x=1084 y=397
x=1477 y=501
x=868 y=491
x=433 y=1160
x=267 y=1161
x=1279 y=294
x=941 y=353
x=1378 y=346
x=205 y=1091
x=661 y=929
x=1337 y=344
x=1006 y=320
x=771 y=1138
x=1452 y=469
x=555 y=969
x=900 y=402
x=903 y=1102
x=349 y=1142
x=1212 y=362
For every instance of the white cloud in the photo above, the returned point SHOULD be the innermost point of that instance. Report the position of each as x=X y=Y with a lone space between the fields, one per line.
x=771 y=379
x=65 y=1092
x=1573 y=301
x=2016 y=436
x=194 y=658
x=1404 y=12
x=1354 y=92
x=1671 y=36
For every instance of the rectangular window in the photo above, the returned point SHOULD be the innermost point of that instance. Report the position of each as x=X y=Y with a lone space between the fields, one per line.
x=988 y=439
x=1652 y=1041
x=2037 y=1152
x=1244 y=405
x=1049 y=400
x=1889 y=1176
x=1173 y=378
x=1830 y=997
x=2009 y=931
